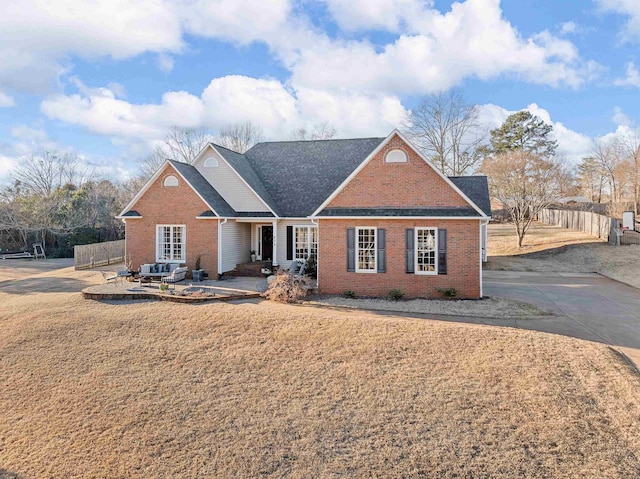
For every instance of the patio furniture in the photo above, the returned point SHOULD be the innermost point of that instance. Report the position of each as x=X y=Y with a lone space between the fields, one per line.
x=176 y=275
x=116 y=277
x=152 y=271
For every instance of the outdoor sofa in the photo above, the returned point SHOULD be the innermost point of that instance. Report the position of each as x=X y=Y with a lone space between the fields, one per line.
x=158 y=270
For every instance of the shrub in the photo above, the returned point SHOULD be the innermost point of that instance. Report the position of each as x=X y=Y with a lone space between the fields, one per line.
x=349 y=294
x=396 y=294
x=448 y=293
x=287 y=288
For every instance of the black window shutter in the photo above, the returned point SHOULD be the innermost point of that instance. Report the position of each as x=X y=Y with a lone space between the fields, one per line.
x=351 y=249
x=382 y=255
x=442 y=251
x=410 y=250
x=289 y=243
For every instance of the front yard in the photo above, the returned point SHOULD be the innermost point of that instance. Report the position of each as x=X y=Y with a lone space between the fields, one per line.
x=149 y=389
x=552 y=249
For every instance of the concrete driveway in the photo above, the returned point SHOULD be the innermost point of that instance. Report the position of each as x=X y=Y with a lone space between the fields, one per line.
x=586 y=305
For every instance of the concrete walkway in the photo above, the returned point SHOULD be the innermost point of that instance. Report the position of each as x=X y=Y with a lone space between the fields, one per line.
x=587 y=305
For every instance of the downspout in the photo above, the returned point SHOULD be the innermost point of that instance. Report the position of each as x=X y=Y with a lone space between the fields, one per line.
x=220 y=223
x=315 y=222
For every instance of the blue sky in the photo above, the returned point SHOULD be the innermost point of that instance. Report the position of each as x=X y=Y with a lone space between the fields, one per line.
x=107 y=79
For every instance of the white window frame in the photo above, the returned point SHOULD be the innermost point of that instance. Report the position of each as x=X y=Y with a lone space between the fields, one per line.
x=416 y=249
x=170 y=181
x=309 y=240
x=375 y=249
x=160 y=253
x=211 y=162
x=393 y=156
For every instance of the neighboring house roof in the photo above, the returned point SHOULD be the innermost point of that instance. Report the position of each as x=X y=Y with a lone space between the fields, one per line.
x=300 y=175
x=573 y=199
x=477 y=190
x=453 y=212
x=204 y=188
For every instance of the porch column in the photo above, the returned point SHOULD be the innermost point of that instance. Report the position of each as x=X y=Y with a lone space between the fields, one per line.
x=274 y=261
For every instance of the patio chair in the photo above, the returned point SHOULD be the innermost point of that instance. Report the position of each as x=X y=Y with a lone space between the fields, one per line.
x=176 y=275
x=116 y=277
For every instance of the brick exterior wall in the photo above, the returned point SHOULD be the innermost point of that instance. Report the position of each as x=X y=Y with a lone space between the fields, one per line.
x=463 y=260
x=381 y=184
x=172 y=205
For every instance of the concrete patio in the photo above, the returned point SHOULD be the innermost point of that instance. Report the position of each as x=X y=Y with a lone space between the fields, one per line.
x=183 y=291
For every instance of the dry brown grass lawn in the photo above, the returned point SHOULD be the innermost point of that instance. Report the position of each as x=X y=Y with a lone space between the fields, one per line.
x=152 y=389
x=553 y=249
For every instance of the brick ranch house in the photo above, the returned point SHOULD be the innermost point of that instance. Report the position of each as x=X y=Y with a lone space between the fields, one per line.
x=375 y=212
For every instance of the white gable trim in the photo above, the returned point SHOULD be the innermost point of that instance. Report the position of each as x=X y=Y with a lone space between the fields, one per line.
x=374 y=153
x=213 y=147
x=152 y=180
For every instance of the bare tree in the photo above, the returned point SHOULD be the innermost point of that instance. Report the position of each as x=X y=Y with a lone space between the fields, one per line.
x=631 y=145
x=180 y=144
x=610 y=157
x=591 y=179
x=239 y=137
x=525 y=183
x=42 y=174
x=321 y=131
x=446 y=129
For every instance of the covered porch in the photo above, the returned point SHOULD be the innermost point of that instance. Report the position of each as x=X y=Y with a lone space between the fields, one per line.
x=273 y=243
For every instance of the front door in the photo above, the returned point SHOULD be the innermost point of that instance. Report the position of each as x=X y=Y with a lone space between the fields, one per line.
x=266 y=241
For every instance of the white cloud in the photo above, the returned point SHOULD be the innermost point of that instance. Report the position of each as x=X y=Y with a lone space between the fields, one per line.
x=238 y=98
x=165 y=62
x=568 y=27
x=632 y=77
x=7 y=164
x=437 y=51
x=619 y=117
x=389 y=15
x=37 y=36
x=6 y=100
x=628 y=8
x=225 y=100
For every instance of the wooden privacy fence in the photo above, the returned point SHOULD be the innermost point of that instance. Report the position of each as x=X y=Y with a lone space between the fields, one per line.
x=597 y=225
x=98 y=254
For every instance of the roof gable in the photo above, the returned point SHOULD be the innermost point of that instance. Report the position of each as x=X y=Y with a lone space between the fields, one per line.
x=234 y=179
x=385 y=187
x=195 y=180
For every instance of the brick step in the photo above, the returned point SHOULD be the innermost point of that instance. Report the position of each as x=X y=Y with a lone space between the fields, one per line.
x=250 y=269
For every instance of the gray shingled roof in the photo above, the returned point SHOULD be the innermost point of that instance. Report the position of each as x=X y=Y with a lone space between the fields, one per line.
x=300 y=175
x=204 y=189
x=132 y=214
x=239 y=163
x=477 y=190
x=453 y=212
x=295 y=177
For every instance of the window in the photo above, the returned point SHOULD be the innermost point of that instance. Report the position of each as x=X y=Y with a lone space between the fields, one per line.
x=396 y=156
x=426 y=251
x=170 y=181
x=306 y=242
x=366 y=250
x=170 y=243
x=210 y=162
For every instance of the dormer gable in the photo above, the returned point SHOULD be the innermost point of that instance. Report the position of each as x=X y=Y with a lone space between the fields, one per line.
x=225 y=179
